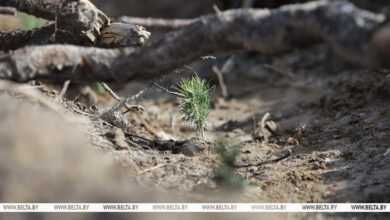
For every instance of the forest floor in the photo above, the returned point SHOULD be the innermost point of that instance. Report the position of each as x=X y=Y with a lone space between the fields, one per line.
x=326 y=138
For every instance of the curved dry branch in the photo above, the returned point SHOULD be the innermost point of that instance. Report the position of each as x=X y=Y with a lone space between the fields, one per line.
x=347 y=29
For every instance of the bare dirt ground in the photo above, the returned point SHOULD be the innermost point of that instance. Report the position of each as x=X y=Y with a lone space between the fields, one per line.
x=328 y=142
x=309 y=128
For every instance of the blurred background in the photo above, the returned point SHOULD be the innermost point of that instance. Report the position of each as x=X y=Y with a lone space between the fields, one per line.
x=172 y=9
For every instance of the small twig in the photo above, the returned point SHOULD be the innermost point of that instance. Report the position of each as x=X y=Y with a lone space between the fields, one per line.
x=109 y=90
x=166 y=90
x=126 y=132
x=152 y=168
x=133 y=107
x=264 y=119
x=137 y=136
x=83 y=113
x=138 y=146
x=225 y=68
x=64 y=89
x=7 y=11
x=118 y=105
x=228 y=64
x=221 y=81
x=130 y=134
x=123 y=102
x=136 y=96
x=279 y=70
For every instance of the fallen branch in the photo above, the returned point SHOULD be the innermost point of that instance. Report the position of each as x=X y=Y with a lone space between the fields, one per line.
x=157 y=23
x=7 y=11
x=12 y=40
x=79 y=14
x=79 y=22
x=113 y=36
x=347 y=29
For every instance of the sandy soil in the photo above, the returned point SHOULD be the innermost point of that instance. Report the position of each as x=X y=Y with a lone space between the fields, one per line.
x=325 y=140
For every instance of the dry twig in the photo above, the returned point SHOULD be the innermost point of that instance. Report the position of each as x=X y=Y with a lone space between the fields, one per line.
x=64 y=89
x=112 y=93
x=264 y=119
x=279 y=70
x=220 y=73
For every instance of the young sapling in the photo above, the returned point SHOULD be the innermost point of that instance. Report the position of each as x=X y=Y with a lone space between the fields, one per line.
x=194 y=95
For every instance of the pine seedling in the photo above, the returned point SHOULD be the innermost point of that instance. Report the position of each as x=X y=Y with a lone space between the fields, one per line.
x=195 y=94
x=225 y=173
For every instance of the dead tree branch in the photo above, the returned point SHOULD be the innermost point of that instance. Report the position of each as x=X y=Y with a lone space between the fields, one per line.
x=157 y=23
x=79 y=14
x=14 y=39
x=7 y=11
x=113 y=36
x=83 y=17
x=347 y=29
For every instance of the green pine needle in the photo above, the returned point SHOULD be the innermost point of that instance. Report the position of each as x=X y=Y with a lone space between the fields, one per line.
x=195 y=94
x=29 y=22
x=98 y=87
x=225 y=173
